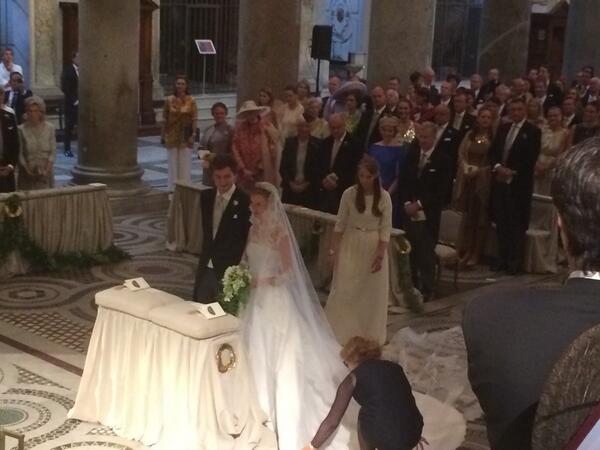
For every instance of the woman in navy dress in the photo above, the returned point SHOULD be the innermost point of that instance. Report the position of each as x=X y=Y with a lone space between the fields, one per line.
x=390 y=155
x=388 y=418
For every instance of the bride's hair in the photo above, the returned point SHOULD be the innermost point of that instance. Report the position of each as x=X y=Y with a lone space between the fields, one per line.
x=370 y=165
x=263 y=192
x=359 y=349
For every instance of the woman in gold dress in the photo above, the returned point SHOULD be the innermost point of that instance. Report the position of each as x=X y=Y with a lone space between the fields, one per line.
x=472 y=190
x=179 y=131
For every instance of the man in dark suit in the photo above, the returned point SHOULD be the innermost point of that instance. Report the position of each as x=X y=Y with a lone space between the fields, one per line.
x=447 y=142
x=476 y=88
x=10 y=146
x=570 y=115
x=15 y=98
x=546 y=99
x=513 y=154
x=553 y=91
x=462 y=121
x=493 y=81
x=514 y=337
x=225 y=225
x=69 y=83
x=367 y=130
x=337 y=165
x=298 y=168
x=423 y=190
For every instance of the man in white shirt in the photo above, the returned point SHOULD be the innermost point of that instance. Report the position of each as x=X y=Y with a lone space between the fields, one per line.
x=7 y=66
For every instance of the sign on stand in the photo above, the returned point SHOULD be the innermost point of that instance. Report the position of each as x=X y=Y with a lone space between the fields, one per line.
x=205 y=47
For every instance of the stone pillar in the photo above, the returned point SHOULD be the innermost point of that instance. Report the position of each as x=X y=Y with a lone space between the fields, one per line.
x=504 y=41
x=268 y=48
x=109 y=40
x=400 y=39
x=582 y=29
x=45 y=55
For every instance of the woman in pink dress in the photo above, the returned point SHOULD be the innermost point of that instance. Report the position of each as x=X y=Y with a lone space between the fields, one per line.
x=255 y=146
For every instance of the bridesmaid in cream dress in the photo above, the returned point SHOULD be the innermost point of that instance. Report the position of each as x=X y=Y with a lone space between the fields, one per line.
x=554 y=141
x=358 y=301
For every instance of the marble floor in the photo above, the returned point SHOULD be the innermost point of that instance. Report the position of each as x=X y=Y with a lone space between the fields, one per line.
x=152 y=157
x=46 y=321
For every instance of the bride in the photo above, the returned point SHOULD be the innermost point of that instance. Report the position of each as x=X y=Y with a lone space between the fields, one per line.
x=291 y=349
x=292 y=352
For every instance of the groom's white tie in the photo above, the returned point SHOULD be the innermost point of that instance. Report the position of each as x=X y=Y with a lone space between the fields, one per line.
x=218 y=213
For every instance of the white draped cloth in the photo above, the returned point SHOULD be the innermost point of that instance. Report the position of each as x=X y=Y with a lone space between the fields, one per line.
x=162 y=387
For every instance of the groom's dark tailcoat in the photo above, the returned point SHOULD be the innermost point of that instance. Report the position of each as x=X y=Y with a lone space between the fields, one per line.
x=227 y=246
x=513 y=340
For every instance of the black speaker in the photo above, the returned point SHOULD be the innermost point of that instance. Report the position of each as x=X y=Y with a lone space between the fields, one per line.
x=321 y=42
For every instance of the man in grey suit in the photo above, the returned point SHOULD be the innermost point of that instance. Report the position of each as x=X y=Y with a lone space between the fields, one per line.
x=515 y=337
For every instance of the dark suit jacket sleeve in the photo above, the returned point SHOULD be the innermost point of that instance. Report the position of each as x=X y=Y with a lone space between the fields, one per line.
x=286 y=168
x=497 y=146
x=407 y=178
x=68 y=84
x=530 y=157
x=348 y=173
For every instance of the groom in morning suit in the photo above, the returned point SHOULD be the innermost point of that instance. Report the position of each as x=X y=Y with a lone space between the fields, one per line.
x=514 y=337
x=225 y=225
x=513 y=154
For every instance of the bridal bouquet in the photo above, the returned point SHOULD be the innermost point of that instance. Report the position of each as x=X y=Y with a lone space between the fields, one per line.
x=236 y=289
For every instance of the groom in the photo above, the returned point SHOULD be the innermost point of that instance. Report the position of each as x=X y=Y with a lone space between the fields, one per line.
x=225 y=225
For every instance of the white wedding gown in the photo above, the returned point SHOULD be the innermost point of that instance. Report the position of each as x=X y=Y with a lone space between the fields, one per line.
x=296 y=368
x=293 y=354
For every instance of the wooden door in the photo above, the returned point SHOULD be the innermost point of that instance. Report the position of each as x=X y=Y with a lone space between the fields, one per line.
x=70 y=34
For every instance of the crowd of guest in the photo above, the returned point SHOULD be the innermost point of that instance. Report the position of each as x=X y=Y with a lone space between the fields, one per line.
x=481 y=147
x=27 y=139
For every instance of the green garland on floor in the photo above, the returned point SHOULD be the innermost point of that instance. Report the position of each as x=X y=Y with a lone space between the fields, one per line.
x=14 y=236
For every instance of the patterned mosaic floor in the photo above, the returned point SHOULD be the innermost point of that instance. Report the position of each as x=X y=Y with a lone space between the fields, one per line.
x=151 y=157
x=45 y=324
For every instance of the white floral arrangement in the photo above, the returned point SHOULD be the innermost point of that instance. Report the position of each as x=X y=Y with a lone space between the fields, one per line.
x=236 y=289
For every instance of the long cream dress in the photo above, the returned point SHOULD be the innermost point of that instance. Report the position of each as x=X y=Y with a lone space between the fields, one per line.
x=38 y=149
x=553 y=144
x=358 y=301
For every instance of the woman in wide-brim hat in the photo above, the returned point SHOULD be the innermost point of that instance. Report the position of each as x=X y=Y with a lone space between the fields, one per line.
x=255 y=146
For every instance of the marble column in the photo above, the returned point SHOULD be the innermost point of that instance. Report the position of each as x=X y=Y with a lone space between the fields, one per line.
x=45 y=53
x=582 y=30
x=109 y=40
x=400 y=39
x=504 y=40
x=268 y=48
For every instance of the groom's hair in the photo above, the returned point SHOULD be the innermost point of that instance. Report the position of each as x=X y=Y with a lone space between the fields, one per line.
x=222 y=161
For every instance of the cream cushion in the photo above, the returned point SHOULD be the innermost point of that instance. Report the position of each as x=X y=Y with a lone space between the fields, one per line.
x=184 y=318
x=136 y=303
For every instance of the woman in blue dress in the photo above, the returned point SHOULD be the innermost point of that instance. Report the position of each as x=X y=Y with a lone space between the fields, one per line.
x=390 y=155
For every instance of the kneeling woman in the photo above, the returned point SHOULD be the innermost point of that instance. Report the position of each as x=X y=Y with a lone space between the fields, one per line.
x=389 y=418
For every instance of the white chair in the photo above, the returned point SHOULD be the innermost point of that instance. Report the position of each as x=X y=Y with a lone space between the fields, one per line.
x=445 y=250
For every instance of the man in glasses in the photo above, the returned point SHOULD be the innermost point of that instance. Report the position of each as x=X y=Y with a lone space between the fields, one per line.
x=7 y=66
x=15 y=97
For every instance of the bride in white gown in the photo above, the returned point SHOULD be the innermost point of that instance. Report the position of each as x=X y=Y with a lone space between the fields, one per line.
x=291 y=349
x=292 y=352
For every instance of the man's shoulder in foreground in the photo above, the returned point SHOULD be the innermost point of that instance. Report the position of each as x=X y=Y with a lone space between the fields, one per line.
x=529 y=305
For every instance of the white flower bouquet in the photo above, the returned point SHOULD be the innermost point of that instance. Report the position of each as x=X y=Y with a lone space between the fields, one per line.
x=236 y=289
